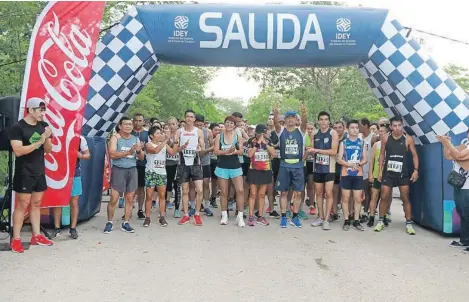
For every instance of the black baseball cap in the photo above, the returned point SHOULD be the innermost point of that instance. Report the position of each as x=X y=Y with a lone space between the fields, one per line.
x=199 y=118
x=261 y=129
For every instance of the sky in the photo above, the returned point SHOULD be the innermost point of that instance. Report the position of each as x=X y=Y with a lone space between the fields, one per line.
x=444 y=18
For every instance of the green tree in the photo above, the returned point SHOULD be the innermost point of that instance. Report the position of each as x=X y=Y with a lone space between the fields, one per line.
x=261 y=106
x=460 y=75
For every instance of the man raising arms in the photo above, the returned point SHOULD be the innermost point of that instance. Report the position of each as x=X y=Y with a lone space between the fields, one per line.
x=30 y=139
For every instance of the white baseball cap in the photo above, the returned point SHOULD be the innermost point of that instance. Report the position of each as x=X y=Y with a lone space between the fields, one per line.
x=35 y=103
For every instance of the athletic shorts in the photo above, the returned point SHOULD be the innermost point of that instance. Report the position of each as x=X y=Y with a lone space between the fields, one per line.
x=228 y=173
x=29 y=184
x=290 y=178
x=337 y=178
x=124 y=180
x=77 y=189
x=275 y=167
x=141 y=176
x=376 y=184
x=206 y=172
x=395 y=182
x=257 y=177
x=213 y=166
x=351 y=182
x=153 y=179
x=245 y=167
x=321 y=178
x=188 y=173
x=309 y=168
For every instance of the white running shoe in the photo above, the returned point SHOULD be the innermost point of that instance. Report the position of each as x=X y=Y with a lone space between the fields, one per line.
x=224 y=220
x=317 y=222
x=240 y=222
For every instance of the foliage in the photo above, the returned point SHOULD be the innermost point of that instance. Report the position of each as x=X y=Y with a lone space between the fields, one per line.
x=460 y=75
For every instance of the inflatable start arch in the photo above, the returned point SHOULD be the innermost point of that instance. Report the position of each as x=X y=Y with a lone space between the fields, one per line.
x=403 y=77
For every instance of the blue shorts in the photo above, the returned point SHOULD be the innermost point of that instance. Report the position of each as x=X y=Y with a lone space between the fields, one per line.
x=77 y=189
x=228 y=173
x=354 y=183
x=290 y=178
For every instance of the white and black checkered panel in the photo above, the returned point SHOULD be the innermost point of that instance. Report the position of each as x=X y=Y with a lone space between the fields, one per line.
x=106 y=117
x=119 y=55
x=400 y=66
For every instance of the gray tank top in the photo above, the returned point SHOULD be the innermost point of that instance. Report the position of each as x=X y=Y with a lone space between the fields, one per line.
x=125 y=145
x=205 y=159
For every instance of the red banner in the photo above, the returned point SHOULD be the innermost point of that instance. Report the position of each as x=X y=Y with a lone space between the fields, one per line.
x=58 y=71
x=107 y=172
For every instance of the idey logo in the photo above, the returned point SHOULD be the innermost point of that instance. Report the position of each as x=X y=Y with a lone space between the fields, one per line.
x=343 y=24
x=181 y=22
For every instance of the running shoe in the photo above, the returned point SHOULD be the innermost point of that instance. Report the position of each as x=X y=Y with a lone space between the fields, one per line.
x=184 y=220
x=244 y=215
x=140 y=215
x=55 y=233
x=169 y=205
x=358 y=226
x=458 y=244
x=108 y=228
x=153 y=204
x=240 y=222
x=317 y=222
x=251 y=221
x=197 y=220
x=296 y=222
x=380 y=226
x=371 y=221
x=312 y=211
x=163 y=222
x=283 y=222
x=40 y=240
x=274 y=214
x=147 y=222
x=177 y=213
x=302 y=215
x=208 y=212
x=289 y=214
x=224 y=220
x=346 y=225
x=409 y=229
x=326 y=226
x=73 y=233
x=213 y=202
x=262 y=220
x=334 y=217
x=127 y=228
x=363 y=218
x=16 y=246
x=121 y=203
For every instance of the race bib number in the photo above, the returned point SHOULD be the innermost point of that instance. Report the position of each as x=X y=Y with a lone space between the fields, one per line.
x=126 y=149
x=322 y=159
x=159 y=163
x=395 y=166
x=225 y=147
x=310 y=157
x=245 y=152
x=261 y=156
x=291 y=149
x=174 y=157
x=189 y=153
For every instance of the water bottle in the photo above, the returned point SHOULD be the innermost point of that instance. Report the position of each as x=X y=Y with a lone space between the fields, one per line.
x=66 y=216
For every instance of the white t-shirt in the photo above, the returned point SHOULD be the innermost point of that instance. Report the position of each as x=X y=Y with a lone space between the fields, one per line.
x=83 y=144
x=156 y=162
x=190 y=152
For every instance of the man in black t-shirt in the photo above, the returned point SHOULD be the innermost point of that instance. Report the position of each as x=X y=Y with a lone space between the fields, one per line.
x=30 y=139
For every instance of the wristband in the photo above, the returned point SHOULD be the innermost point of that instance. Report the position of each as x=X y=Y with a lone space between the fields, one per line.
x=416 y=170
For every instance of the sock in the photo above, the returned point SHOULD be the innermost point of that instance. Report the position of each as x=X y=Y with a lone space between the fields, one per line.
x=240 y=214
x=186 y=214
x=197 y=213
x=408 y=222
x=284 y=214
x=295 y=215
x=224 y=213
x=381 y=218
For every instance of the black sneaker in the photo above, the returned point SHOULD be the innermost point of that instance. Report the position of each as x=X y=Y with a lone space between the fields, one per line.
x=458 y=244
x=73 y=233
x=363 y=218
x=307 y=202
x=163 y=222
x=356 y=224
x=140 y=215
x=386 y=223
x=213 y=202
x=274 y=214
x=147 y=222
x=334 y=217
x=55 y=233
x=371 y=222
x=257 y=214
x=346 y=225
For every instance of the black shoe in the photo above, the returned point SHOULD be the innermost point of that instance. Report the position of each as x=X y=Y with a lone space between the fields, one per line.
x=458 y=244
x=55 y=233
x=363 y=218
x=356 y=224
x=346 y=225
x=73 y=233
x=334 y=217
x=140 y=215
x=213 y=203
x=274 y=214
x=371 y=221
x=386 y=223
x=307 y=202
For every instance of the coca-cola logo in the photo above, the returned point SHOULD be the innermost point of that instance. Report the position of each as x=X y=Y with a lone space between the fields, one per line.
x=63 y=85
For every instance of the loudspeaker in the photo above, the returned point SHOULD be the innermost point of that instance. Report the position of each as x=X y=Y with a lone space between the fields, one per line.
x=9 y=111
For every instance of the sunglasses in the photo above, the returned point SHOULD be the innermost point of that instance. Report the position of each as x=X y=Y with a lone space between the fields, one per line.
x=384 y=125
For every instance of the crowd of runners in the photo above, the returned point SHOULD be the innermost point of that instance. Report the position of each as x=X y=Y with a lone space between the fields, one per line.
x=320 y=169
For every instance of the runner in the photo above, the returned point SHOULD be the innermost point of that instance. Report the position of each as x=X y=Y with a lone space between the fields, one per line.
x=374 y=173
x=142 y=136
x=291 y=172
x=155 y=172
x=171 y=168
x=215 y=128
x=367 y=136
x=352 y=156
x=374 y=128
x=339 y=127
x=30 y=139
x=205 y=161
x=394 y=171
x=309 y=138
x=272 y=135
x=326 y=145
x=260 y=173
x=228 y=148
x=191 y=141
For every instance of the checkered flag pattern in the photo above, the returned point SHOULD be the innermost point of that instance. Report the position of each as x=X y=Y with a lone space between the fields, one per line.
x=123 y=65
x=410 y=84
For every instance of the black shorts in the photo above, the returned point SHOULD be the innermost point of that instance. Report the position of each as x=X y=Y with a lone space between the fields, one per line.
x=309 y=168
x=245 y=167
x=141 y=176
x=275 y=167
x=394 y=182
x=206 y=171
x=188 y=173
x=29 y=184
x=256 y=177
x=321 y=178
x=213 y=166
x=351 y=183
x=376 y=184
x=337 y=178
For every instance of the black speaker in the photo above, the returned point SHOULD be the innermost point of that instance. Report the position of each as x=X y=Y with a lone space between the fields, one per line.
x=9 y=111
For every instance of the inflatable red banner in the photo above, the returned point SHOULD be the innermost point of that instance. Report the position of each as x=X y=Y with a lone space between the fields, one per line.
x=58 y=71
x=107 y=172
